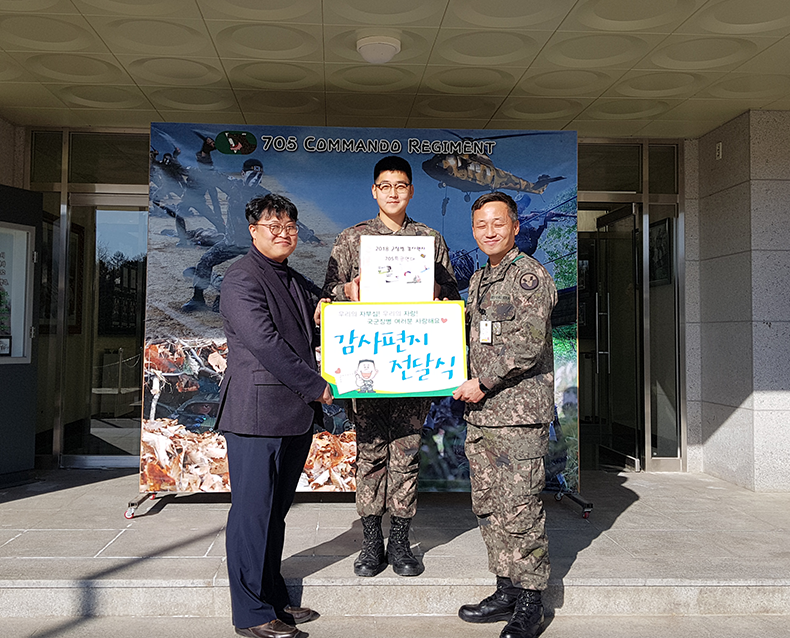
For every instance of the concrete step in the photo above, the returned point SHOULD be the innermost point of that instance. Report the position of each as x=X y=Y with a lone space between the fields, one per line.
x=383 y=596
x=398 y=627
x=654 y=545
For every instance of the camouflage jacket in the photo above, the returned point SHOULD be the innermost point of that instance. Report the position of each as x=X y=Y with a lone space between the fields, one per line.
x=517 y=297
x=344 y=261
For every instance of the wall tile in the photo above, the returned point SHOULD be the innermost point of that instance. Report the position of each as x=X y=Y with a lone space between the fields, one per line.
x=691 y=169
x=692 y=292
x=770 y=208
x=771 y=285
x=771 y=450
x=717 y=175
x=770 y=144
x=726 y=351
x=771 y=362
x=725 y=222
x=728 y=440
x=694 y=448
x=725 y=286
x=693 y=362
x=7 y=134
x=691 y=223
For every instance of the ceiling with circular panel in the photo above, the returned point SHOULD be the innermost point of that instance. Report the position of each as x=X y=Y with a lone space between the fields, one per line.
x=606 y=68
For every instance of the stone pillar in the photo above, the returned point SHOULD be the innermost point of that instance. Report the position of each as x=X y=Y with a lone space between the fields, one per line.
x=770 y=257
x=694 y=447
x=744 y=301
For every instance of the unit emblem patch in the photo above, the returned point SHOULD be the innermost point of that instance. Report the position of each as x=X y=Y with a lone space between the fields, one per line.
x=529 y=281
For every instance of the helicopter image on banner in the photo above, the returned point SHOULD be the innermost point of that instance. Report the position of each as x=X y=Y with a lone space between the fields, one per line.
x=476 y=172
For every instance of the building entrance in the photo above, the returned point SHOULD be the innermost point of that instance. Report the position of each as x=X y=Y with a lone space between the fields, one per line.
x=609 y=348
x=628 y=341
x=101 y=407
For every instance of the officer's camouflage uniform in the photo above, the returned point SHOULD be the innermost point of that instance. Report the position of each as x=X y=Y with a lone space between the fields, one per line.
x=507 y=432
x=388 y=430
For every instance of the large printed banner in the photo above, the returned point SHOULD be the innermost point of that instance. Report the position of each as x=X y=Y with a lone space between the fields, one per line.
x=201 y=178
x=393 y=349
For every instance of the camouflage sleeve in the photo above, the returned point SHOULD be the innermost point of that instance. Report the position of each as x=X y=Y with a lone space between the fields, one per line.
x=338 y=270
x=448 y=287
x=524 y=337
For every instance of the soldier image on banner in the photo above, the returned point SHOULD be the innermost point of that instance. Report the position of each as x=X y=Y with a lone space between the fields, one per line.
x=510 y=403
x=236 y=240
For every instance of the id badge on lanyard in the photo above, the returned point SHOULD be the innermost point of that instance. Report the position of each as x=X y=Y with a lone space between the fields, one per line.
x=485 y=332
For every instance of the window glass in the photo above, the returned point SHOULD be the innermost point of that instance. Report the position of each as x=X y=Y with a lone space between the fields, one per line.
x=99 y=158
x=46 y=156
x=610 y=167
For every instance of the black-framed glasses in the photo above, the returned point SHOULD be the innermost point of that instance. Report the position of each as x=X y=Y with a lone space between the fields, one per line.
x=276 y=229
x=386 y=187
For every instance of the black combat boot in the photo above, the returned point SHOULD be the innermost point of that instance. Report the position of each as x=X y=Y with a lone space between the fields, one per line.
x=399 y=549
x=527 y=620
x=197 y=303
x=498 y=606
x=371 y=559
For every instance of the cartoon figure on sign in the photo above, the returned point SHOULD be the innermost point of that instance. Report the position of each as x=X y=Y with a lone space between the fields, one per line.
x=366 y=370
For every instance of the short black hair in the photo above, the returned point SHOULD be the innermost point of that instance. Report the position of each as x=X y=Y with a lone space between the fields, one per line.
x=268 y=206
x=497 y=196
x=392 y=163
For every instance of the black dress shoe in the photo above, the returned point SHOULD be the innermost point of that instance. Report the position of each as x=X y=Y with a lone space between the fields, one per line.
x=273 y=629
x=527 y=619
x=301 y=614
x=496 y=607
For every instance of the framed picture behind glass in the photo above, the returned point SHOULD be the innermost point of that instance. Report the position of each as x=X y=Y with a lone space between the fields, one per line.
x=49 y=277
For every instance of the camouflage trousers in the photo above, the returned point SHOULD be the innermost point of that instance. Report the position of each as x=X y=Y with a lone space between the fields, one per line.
x=506 y=483
x=389 y=432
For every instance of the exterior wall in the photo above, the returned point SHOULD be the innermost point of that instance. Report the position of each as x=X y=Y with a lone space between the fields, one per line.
x=743 y=264
x=694 y=442
x=770 y=283
x=12 y=160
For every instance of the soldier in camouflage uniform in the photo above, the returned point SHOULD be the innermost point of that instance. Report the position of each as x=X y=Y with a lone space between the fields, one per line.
x=510 y=402
x=388 y=430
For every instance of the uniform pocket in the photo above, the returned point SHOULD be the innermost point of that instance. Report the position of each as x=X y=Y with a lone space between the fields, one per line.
x=482 y=473
x=528 y=480
x=502 y=312
x=502 y=316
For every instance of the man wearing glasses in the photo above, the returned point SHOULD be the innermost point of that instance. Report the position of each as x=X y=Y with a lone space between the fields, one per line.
x=388 y=430
x=269 y=399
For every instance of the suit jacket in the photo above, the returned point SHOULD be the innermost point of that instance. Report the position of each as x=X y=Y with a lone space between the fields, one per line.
x=272 y=383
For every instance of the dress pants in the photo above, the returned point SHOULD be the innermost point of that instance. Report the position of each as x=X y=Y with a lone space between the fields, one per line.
x=264 y=473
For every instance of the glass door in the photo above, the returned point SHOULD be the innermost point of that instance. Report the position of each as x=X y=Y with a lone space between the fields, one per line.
x=662 y=340
x=102 y=401
x=629 y=338
x=618 y=353
x=610 y=400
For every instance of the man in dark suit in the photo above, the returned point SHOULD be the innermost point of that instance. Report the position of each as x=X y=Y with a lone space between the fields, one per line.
x=269 y=399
